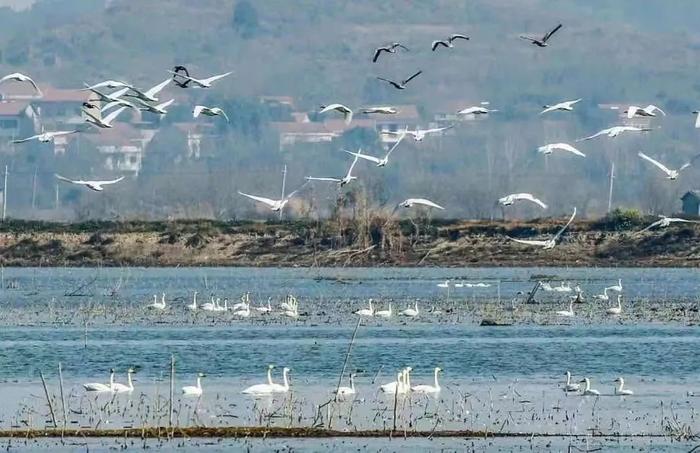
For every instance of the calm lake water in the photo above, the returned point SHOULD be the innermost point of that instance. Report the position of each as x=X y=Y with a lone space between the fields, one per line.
x=505 y=378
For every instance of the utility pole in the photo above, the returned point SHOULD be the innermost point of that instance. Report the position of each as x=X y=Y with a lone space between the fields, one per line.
x=4 y=197
x=36 y=169
x=612 y=182
x=284 y=186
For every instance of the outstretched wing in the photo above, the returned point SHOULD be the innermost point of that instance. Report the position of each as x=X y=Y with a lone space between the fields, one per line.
x=549 y=35
x=528 y=38
x=424 y=202
x=313 y=178
x=22 y=140
x=158 y=88
x=401 y=137
x=198 y=109
x=264 y=200
x=412 y=77
x=352 y=165
x=458 y=36
x=63 y=178
x=438 y=43
x=111 y=181
x=363 y=156
x=561 y=231
x=632 y=110
x=531 y=198
x=569 y=148
x=438 y=129
x=653 y=225
x=597 y=134
x=377 y=53
x=112 y=116
x=655 y=162
x=216 y=77
x=529 y=241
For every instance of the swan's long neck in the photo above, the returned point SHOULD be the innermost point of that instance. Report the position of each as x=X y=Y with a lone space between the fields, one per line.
x=622 y=385
x=416 y=306
x=284 y=380
x=129 y=381
x=588 y=385
x=199 y=382
x=111 y=379
x=352 y=382
x=194 y=300
x=269 y=376
x=437 y=385
x=568 y=378
x=408 y=380
x=389 y=308
x=370 y=306
x=619 y=302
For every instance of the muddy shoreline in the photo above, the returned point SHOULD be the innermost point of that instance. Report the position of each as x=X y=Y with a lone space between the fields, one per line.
x=447 y=243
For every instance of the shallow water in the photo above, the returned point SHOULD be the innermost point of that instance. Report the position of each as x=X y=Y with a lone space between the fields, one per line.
x=497 y=378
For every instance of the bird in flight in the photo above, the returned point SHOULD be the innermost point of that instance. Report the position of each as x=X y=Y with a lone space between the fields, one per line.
x=615 y=131
x=275 y=205
x=402 y=85
x=347 y=179
x=45 y=137
x=670 y=174
x=208 y=111
x=476 y=110
x=18 y=77
x=550 y=148
x=347 y=113
x=664 y=221
x=157 y=109
x=93 y=185
x=418 y=134
x=381 y=162
x=391 y=48
x=566 y=106
x=449 y=42
x=110 y=84
x=200 y=83
x=649 y=110
x=549 y=243
x=383 y=110
x=509 y=200
x=150 y=94
x=104 y=123
x=541 y=42
x=411 y=202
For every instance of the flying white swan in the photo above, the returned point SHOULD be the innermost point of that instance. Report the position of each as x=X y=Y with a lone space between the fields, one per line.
x=541 y=42
x=616 y=310
x=384 y=313
x=587 y=390
x=615 y=131
x=150 y=94
x=569 y=386
x=567 y=313
x=110 y=84
x=159 y=109
x=381 y=162
x=201 y=83
x=262 y=389
x=512 y=198
x=193 y=305
x=617 y=288
x=366 y=311
x=18 y=77
x=449 y=42
x=402 y=84
x=101 y=388
x=429 y=388
x=347 y=179
x=391 y=48
x=346 y=111
x=112 y=97
x=45 y=137
x=275 y=205
x=411 y=202
x=664 y=221
x=418 y=134
x=620 y=389
x=383 y=110
x=347 y=391
x=549 y=243
x=208 y=111
x=566 y=106
x=476 y=110
x=121 y=388
x=550 y=148
x=103 y=123
x=411 y=312
x=194 y=390
x=93 y=185
x=649 y=110
x=670 y=174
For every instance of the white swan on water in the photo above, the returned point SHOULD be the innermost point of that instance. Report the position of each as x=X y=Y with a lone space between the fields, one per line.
x=158 y=305
x=366 y=311
x=620 y=389
x=194 y=390
x=193 y=305
x=567 y=313
x=265 y=309
x=587 y=390
x=284 y=387
x=570 y=386
x=616 y=310
x=121 y=388
x=400 y=385
x=101 y=388
x=429 y=388
x=346 y=391
x=262 y=389
x=209 y=306
x=411 y=312
x=384 y=313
